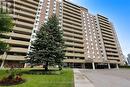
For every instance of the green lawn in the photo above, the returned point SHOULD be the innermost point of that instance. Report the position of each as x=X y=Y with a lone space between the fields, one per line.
x=125 y=66
x=65 y=79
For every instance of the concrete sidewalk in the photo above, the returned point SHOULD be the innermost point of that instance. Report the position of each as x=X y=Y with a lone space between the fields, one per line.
x=102 y=77
x=81 y=80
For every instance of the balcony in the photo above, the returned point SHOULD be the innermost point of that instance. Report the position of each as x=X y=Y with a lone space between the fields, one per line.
x=17 y=42
x=25 y=18
x=19 y=35
x=107 y=38
x=73 y=26
x=25 y=8
x=115 y=61
x=114 y=54
x=73 y=39
x=71 y=18
x=33 y=2
x=24 y=13
x=73 y=22
x=71 y=8
x=27 y=4
x=24 y=24
x=109 y=49
x=106 y=45
x=72 y=5
x=22 y=30
x=113 y=58
x=107 y=24
x=72 y=34
x=106 y=31
x=74 y=55
x=71 y=13
x=72 y=30
x=15 y=58
x=102 y=20
x=104 y=26
x=102 y=17
x=18 y=50
x=74 y=49
x=74 y=61
x=74 y=44
x=109 y=42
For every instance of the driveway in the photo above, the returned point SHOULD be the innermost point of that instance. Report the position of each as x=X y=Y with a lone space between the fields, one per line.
x=102 y=78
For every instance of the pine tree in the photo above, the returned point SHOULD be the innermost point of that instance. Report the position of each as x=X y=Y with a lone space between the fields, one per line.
x=48 y=48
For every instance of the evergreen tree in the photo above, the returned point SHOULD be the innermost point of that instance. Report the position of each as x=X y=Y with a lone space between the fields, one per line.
x=48 y=48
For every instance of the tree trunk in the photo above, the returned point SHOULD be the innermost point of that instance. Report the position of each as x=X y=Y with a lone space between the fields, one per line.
x=31 y=66
x=46 y=66
x=60 y=67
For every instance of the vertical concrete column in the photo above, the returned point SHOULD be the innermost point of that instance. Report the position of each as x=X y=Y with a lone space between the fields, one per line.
x=83 y=65
x=2 y=64
x=109 y=67
x=69 y=65
x=25 y=65
x=117 y=66
x=73 y=65
x=3 y=59
x=93 y=65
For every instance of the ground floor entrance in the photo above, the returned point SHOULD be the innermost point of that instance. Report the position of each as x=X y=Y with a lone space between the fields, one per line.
x=92 y=65
x=89 y=65
x=73 y=65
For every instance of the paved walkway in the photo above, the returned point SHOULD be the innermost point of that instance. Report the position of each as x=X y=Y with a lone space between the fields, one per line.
x=102 y=78
x=81 y=80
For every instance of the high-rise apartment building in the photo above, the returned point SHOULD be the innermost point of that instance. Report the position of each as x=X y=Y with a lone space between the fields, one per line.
x=100 y=40
x=90 y=39
x=24 y=12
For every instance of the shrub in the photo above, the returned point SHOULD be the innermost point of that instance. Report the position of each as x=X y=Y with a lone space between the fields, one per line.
x=13 y=77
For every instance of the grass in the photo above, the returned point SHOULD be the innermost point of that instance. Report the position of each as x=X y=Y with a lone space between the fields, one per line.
x=64 y=79
x=125 y=66
x=3 y=73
